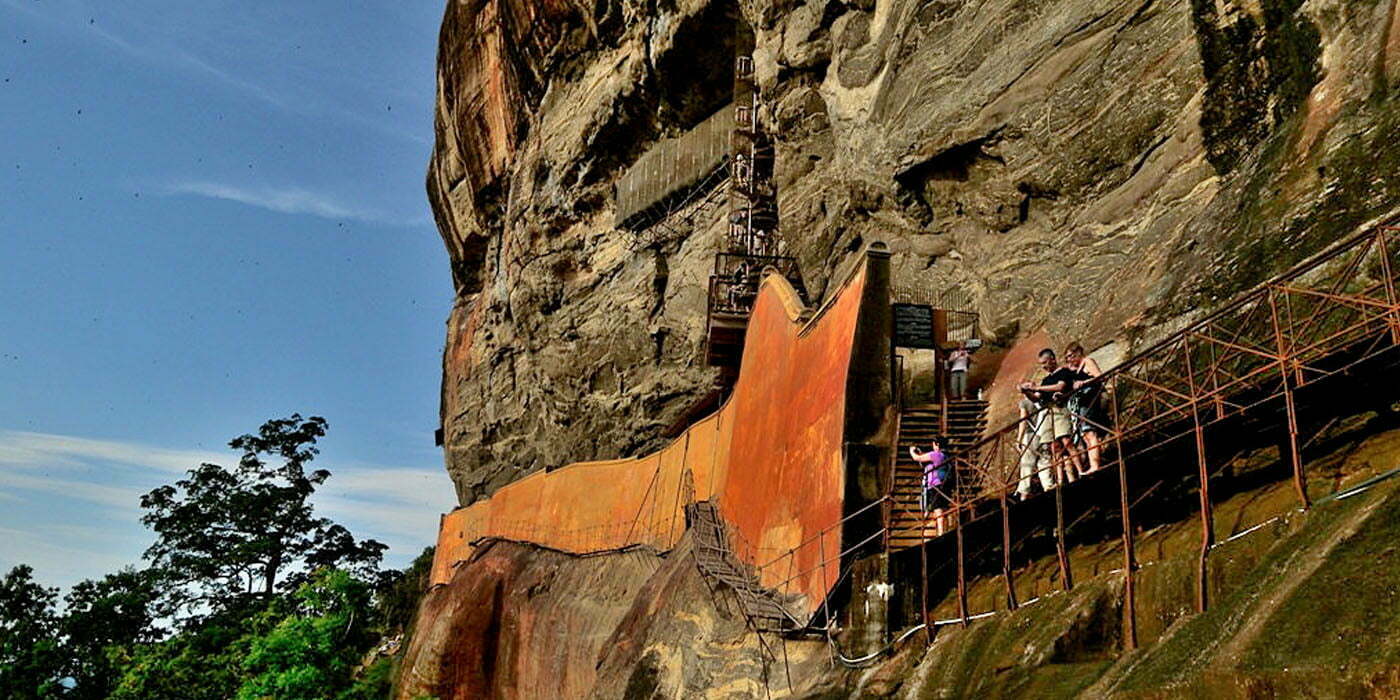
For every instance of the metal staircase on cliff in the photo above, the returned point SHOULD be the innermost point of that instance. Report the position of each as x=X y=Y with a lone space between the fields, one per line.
x=965 y=423
x=717 y=563
x=752 y=241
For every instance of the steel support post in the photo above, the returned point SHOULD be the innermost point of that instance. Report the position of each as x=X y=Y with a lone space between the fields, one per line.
x=1390 y=296
x=1006 y=574
x=1129 y=556
x=1061 y=551
x=962 y=570
x=923 y=583
x=1203 y=473
x=821 y=552
x=1207 y=520
x=1300 y=483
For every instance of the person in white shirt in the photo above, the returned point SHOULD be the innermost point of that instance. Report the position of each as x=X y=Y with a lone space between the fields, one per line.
x=958 y=363
x=1035 y=455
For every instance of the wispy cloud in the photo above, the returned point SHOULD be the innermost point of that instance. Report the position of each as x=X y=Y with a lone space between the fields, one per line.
x=399 y=505
x=118 y=498
x=25 y=449
x=104 y=479
x=67 y=467
x=287 y=200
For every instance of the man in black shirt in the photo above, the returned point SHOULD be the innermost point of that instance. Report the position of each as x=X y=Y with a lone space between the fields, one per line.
x=1056 y=429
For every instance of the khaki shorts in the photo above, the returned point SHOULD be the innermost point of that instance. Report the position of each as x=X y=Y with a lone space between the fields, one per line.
x=1055 y=424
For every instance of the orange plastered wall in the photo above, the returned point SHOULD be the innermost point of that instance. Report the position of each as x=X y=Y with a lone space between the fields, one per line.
x=785 y=479
x=771 y=457
x=596 y=506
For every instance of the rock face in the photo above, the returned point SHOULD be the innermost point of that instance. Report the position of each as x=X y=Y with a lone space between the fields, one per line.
x=1093 y=170
x=520 y=621
x=568 y=340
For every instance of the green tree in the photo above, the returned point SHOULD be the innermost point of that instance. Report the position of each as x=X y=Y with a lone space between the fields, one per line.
x=400 y=592
x=101 y=619
x=269 y=600
x=230 y=539
x=202 y=662
x=31 y=660
x=312 y=652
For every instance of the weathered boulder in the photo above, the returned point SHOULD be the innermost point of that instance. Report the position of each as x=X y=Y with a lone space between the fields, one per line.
x=1303 y=604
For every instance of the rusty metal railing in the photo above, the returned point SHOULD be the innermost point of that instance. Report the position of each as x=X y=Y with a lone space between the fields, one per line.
x=1326 y=316
x=736 y=277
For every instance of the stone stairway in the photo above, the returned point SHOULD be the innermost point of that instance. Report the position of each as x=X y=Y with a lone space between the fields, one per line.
x=918 y=426
x=718 y=563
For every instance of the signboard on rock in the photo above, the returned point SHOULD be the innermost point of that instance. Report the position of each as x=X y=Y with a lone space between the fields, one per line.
x=913 y=326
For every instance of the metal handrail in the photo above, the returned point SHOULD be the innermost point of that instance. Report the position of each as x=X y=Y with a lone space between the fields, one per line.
x=1167 y=344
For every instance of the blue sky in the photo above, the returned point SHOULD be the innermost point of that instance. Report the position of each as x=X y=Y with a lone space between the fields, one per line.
x=211 y=214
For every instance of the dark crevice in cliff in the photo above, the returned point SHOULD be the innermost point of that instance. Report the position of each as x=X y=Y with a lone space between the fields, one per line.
x=954 y=164
x=645 y=681
x=1380 y=74
x=1083 y=26
x=493 y=631
x=661 y=276
x=1142 y=159
x=616 y=141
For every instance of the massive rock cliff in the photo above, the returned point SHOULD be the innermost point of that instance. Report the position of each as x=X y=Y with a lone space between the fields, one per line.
x=1095 y=170
x=1085 y=170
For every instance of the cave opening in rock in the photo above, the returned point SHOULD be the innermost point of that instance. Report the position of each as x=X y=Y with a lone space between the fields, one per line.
x=695 y=76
